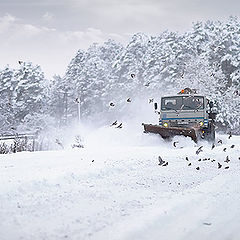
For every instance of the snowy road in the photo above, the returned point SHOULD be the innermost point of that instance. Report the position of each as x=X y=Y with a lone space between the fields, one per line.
x=120 y=192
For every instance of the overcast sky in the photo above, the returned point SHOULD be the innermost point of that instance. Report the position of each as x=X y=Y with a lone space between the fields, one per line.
x=49 y=32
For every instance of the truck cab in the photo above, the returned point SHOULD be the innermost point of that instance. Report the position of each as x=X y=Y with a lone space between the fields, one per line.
x=183 y=111
x=186 y=113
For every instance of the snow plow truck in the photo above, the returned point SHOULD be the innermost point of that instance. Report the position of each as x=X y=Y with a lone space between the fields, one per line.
x=187 y=113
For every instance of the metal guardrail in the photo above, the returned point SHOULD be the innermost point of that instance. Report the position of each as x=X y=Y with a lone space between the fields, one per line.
x=27 y=139
x=15 y=136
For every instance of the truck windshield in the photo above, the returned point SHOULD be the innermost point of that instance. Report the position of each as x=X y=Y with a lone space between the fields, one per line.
x=182 y=103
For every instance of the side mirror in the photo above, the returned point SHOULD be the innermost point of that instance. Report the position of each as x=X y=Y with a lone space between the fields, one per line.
x=155 y=106
x=211 y=104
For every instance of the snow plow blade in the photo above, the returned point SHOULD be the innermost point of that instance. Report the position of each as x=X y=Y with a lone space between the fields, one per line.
x=169 y=132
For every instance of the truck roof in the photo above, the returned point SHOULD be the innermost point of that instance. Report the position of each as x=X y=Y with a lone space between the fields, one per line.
x=185 y=95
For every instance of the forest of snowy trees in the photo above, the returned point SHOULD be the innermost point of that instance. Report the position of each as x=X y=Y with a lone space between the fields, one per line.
x=207 y=58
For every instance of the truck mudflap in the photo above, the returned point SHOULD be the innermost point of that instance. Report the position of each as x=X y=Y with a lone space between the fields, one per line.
x=169 y=132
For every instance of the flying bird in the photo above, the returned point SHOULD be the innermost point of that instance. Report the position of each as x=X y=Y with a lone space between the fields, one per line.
x=57 y=141
x=114 y=123
x=129 y=100
x=147 y=84
x=119 y=126
x=219 y=165
x=220 y=141
x=150 y=100
x=208 y=224
x=213 y=146
x=174 y=144
x=212 y=74
x=132 y=75
x=20 y=62
x=182 y=74
x=111 y=104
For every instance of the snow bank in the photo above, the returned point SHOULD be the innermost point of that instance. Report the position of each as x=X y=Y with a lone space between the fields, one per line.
x=117 y=190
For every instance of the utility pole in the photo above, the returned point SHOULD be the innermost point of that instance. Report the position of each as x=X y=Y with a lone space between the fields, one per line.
x=78 y=101
x=66 y=105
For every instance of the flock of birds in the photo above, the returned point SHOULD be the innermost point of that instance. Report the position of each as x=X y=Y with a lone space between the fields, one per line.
x=112 y=104
x=200 y=149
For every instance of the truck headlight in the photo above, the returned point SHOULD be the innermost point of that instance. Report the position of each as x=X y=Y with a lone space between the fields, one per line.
x=165 y=124
x=201 y=124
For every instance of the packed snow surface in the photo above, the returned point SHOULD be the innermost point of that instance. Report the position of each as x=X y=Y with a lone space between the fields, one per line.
x=113 y=188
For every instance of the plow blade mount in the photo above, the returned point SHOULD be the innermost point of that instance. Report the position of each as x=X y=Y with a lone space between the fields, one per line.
x=168 y=132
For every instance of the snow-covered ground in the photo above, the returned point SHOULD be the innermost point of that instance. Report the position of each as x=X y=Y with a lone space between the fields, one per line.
x=113 y=188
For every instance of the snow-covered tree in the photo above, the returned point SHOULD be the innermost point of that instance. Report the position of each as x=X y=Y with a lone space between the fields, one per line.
x=7 y=86
x=207 y=57
x=29 y=92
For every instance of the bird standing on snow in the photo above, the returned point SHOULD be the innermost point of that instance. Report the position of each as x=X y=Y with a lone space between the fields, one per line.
x=198 y=168
x=232 y=146
x=224 y=149
x=187 y=159
x=161 y=162
x=165 y=164
x=220 y=141
x=230 y=135
x=227 y=160
x=129 y=100
x=199 y=150
x=147 y=84
x=20 y=62
x=213 y=146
